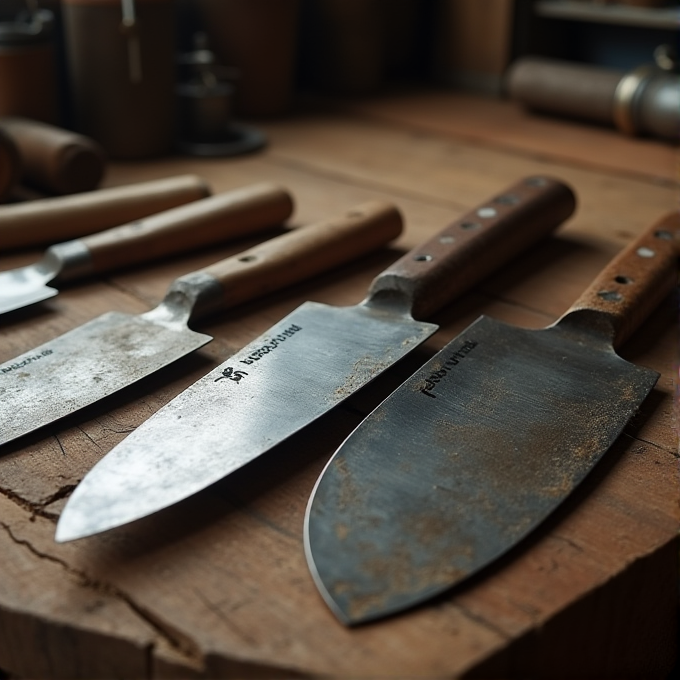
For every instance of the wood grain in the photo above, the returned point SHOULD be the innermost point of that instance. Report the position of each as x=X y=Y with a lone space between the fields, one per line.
x=217 y=586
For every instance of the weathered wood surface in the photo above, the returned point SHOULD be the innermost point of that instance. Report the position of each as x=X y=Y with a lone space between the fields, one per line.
x=217 y=586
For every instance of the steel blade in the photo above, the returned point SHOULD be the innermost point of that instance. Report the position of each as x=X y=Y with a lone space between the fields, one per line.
x=85 y=365
x=462 y=461
x=24 y=286
x=302 y=367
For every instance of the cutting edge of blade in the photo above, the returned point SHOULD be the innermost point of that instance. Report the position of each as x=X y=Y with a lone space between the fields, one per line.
x=12 y=303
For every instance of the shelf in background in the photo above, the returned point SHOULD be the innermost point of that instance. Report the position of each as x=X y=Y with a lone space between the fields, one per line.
x=666 y=18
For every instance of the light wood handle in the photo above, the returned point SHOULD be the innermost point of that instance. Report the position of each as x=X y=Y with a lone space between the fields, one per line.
x=56 y=160
x=306 y=251
x=473 y=246
x=635 y=281
x=228 y=215
x=50 y=220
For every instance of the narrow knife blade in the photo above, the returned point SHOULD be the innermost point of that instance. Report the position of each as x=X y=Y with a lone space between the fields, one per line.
x=303 y=366
x=477 y=448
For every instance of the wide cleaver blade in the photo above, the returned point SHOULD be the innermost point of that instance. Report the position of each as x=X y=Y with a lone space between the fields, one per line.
x=304 y=366
x=479 y=446
x=116 y=350
x=227 y=215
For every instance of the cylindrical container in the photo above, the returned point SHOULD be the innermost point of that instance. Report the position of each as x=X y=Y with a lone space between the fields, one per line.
x=121 y=64
x=643 y=101
x=28 y=77
x=562 y=87
x=258 y=37
x=55 y=160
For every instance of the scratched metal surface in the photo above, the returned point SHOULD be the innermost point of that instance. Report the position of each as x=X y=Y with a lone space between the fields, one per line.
x=85 y=365
x=462 y=461
x=303 y=366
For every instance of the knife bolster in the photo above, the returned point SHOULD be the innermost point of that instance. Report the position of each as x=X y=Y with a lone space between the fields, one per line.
x=188 y=297
x=69 y=260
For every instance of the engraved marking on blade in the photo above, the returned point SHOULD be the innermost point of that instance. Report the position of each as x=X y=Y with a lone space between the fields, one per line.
x=453 y=360
x=26 y=361
x=271 y=345
x=231 y=374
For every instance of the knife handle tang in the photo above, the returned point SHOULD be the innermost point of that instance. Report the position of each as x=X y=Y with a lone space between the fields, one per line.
x=473 y=246
x=227 y=215
x=632 y=284
x=50 y=220
x=304 y=252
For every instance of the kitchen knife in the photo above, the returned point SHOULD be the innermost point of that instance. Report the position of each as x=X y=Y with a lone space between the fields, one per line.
x=195 y=224
x=50 y=220
x=482 y=443
x=304 y=365
x=115 y=350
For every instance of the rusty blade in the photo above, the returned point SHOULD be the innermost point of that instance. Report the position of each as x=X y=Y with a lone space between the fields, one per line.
x=463 y=461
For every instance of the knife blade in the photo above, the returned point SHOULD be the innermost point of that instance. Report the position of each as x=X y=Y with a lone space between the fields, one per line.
x=482 y=443
x=305 y=365
x=49 y=220
x=227 y=215
x=116 y=350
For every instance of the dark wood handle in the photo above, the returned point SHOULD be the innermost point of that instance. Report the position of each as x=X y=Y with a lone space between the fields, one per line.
x=470 y=248
x=306 y=251
x=227 y=215
x=633 y=283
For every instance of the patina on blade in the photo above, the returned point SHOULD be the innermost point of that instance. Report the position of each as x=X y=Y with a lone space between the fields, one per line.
x=478 y=447
x=91 y=362
x=334 y=350
x=304 y=366
x=446 y=476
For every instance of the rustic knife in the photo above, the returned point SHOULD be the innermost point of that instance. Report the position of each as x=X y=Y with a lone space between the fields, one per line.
x=115 y=350
x=482 y=443
x=304 y=365
x=228 y=215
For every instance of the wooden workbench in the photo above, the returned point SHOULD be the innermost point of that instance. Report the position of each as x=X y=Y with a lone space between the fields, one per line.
x=217 y=586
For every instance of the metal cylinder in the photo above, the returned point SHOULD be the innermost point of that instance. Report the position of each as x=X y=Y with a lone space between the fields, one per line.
x=643 y=101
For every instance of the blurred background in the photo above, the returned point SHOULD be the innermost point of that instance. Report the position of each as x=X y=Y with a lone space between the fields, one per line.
x=143 y=78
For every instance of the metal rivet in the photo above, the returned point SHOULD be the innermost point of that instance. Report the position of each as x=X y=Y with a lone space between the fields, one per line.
x=507 y=199
x=665 y=235
x=536 y=182
x=645 y=252
x=470 y=225
x=423 y=258
x=446 y=239
x=623 y=279
x=487 y=212
x=610 y=295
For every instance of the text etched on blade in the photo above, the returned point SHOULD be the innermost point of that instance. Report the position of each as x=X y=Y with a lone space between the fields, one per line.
x=452 y=360
x=230 y=374
x=26 y=361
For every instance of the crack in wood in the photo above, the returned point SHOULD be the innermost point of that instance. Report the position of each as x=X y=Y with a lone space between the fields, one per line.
x=467 y=613
x=178 y=641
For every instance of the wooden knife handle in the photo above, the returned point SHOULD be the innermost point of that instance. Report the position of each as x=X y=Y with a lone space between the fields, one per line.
x=228 y=215
x=50 y=220
x=634 y=282
x=473 y=246
x=304 y=252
